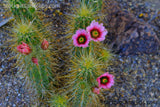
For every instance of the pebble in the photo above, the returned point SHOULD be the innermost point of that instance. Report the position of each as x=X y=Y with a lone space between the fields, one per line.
x=1 y=69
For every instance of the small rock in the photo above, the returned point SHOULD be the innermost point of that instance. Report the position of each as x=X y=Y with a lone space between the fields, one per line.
x=127 y=35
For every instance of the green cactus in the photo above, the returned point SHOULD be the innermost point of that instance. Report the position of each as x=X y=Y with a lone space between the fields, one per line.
x=81 y=17
x=97 y=4
x=40 y=75
x=58 y=101
x=27 y=28
x=82 y=78
x=84 y=67
x=86 y=63
x=22 y=9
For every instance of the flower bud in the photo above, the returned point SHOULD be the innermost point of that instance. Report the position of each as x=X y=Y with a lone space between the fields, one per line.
x=105 y=81
x=35 y=60
x=45 y=44
x=96 y=90
x=24 y=48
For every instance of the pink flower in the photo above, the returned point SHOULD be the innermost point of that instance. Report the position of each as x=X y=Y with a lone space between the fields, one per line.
x=81 y=38
x=96 y=90
x=24 y=48
x=35 y=60
x=45 y=44
x=97 y=32
x=105 y=81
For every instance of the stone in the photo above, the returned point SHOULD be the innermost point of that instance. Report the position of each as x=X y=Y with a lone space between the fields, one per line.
x=127 y=35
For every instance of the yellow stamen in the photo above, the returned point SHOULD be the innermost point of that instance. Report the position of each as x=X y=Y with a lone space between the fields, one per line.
x=81 y=78
x=95 y=33
x=81 y=39
x=104 y=80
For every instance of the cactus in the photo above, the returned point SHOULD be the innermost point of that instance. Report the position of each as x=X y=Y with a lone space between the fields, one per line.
x=81 y=80
x=35 y=62
x=82 y=17
x=58 y=101
x=97 y=4
x=40 y=74
x=86 y=63
x=22 y=9
x=37 y=59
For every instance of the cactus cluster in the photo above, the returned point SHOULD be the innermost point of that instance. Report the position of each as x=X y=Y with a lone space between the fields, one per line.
x=62 y=73
x=33 y=50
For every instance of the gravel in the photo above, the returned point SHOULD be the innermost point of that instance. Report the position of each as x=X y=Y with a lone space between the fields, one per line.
x=12 y=92
x=136 y=81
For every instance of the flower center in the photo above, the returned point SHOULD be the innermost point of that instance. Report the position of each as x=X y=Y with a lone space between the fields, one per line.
x=81 y=39
x=94 y=33
x=104 y=80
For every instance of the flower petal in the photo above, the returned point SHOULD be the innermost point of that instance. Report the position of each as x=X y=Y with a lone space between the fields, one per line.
x=109 y=83
x=99 y=27
x=81 y=33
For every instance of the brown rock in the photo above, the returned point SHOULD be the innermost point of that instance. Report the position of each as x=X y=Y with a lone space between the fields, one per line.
x=127 y=35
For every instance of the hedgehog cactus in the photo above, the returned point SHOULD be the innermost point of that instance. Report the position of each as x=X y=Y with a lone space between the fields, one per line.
x=36 y=62
x=58 y=101
x=89 y=55
x=22 y=9
x=81 y=18
x=32 y=49
x=82 y=78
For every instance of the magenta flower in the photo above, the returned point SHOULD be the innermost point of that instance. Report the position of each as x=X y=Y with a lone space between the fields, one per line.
x=105 y=81
x=96 y=31
x=81 y=38
x=35 y=60
x=45 y=44
x=24 y=48
x=96 y=90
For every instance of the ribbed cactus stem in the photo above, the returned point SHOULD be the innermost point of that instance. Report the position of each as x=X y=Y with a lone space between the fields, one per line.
x=22 y=9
